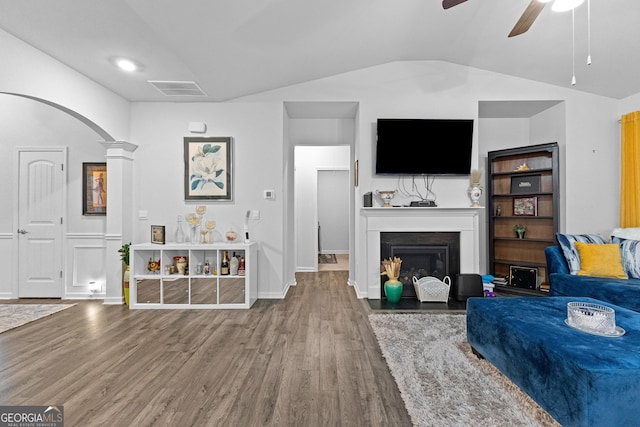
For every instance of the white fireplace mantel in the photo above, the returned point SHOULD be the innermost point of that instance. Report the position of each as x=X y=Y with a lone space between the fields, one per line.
x=464 y=220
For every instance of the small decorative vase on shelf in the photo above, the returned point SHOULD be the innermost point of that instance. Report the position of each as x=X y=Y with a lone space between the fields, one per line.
x=231 y=235
x=386 y=197
x=179 y=231
x=393 y=290
x=194 y=221
x=520 y=230
x=181 y=265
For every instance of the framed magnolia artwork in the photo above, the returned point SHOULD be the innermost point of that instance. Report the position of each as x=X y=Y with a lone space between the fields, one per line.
x=208 y=165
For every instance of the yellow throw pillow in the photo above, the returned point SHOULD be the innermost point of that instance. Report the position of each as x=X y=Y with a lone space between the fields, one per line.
x=600 y=260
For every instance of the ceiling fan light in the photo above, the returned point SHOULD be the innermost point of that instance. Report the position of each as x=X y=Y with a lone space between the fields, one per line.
x=564 y=5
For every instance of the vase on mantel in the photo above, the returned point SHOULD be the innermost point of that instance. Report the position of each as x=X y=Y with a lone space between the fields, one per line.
x=393 y=290
x=474 y=192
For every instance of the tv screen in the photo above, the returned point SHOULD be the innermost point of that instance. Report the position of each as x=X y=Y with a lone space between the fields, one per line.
x=424 y=146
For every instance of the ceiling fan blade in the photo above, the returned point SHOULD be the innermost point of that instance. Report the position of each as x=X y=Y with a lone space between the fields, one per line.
x=450 y=3
x=528 y=17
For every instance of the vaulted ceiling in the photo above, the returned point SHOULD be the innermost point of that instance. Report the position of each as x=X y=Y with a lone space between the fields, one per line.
x=233 y=48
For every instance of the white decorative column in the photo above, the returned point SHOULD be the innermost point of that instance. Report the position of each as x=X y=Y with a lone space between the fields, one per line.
x=464 y=220
x=119 y=213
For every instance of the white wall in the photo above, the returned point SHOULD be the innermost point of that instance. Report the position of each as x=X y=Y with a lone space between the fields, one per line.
x=33 y=73
x=256 y=128
x=28 y=123
x=629 y=104
x=333 y=211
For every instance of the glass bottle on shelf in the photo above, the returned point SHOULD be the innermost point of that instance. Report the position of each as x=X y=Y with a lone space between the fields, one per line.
x=179 y=232
x=233 y=265
x=241 y=267
x=224 y=265
x=207 y=267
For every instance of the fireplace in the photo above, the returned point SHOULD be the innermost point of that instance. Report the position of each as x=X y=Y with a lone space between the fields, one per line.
x=464 y=221
x=423 y=254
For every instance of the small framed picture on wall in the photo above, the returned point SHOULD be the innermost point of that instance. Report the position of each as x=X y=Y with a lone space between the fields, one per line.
x=94 y=189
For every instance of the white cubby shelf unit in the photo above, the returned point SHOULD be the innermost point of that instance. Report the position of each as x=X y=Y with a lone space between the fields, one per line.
x=168 y=289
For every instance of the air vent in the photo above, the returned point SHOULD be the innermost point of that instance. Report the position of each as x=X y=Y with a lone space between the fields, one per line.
x=173 y=88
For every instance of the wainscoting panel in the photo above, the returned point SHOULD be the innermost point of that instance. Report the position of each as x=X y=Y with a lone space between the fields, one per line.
x=86 y=272
x=7 y=262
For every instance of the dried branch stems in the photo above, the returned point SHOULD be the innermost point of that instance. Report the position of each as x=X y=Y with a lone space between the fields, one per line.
x=392 y=267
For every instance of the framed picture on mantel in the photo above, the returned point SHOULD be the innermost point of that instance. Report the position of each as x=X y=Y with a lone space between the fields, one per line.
x=208 y=164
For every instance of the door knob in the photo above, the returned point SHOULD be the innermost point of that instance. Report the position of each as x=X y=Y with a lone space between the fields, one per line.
x=22 y=231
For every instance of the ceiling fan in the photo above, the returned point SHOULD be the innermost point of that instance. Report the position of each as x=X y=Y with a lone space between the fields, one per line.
x=530 y=13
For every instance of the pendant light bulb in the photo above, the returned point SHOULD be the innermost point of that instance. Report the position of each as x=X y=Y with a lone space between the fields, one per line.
x=565 y=5
x=589 y=60
x=573 y=80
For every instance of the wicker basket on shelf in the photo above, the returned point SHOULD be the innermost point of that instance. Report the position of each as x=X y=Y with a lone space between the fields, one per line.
x=432 y=289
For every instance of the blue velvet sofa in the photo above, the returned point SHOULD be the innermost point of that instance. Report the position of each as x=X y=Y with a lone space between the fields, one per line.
x=621 y=292
x=580 y=379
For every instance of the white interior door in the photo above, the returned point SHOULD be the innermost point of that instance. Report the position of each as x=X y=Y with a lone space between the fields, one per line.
x=41 y=194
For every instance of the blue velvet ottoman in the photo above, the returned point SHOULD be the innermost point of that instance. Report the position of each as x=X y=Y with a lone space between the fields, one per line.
x=580 y=379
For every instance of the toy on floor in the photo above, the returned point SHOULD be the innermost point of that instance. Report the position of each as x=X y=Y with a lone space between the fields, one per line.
x=488 y=293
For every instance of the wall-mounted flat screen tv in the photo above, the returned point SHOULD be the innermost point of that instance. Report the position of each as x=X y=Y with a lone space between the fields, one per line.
x=424 y=146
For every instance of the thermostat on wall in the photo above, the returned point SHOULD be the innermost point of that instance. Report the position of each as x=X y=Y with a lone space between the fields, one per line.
x=269 y=194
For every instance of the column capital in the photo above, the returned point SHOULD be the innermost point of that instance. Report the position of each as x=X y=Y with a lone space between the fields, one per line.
x=118 y=147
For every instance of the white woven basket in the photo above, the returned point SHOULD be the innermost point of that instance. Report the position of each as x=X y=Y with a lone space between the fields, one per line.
x=432 y=289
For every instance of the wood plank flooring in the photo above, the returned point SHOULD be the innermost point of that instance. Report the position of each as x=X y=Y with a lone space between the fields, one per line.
x=310 y=359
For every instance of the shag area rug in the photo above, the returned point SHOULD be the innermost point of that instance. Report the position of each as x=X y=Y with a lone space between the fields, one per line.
x=14 y=315
x=327 y=259
x=442 y=382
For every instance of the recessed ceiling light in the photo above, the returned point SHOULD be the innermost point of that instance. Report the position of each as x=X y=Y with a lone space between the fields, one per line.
x=126 y=64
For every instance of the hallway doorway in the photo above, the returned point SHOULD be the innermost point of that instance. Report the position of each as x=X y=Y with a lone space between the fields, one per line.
x=321 y=203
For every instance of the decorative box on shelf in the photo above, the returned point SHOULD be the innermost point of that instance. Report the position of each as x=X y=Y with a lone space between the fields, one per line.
x=184 y=275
